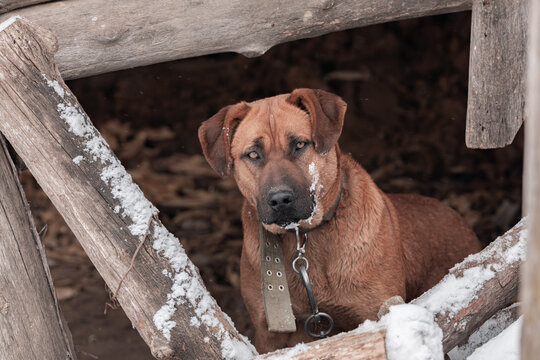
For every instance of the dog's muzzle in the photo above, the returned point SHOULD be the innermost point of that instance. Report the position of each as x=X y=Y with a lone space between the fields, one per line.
x=284 y=206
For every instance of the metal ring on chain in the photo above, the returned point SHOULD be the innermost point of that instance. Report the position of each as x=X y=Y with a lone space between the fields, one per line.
x=294 y=264
x=317 y=318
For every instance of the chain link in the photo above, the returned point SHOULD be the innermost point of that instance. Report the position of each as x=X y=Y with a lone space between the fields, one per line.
x=316 y=316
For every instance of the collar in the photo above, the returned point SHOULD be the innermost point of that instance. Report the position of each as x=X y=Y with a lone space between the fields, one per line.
x=275 y=290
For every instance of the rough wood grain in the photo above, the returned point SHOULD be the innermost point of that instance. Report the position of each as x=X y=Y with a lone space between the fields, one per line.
x=496 y=100
x=77 y=170
x=31 y=324
x=350 y=346
x=98 y=36
x=8 y=5
x=477 y=288
x=530 y=294
x=487 y=331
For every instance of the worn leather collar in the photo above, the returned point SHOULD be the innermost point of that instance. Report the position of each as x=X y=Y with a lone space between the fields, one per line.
x=275 y=289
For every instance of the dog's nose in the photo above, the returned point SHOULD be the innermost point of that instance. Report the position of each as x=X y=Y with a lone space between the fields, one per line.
x=280 y=199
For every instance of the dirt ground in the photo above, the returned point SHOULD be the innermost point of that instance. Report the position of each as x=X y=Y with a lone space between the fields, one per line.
x=406 y=88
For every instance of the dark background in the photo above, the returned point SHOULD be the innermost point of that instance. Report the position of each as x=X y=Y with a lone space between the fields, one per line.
x=406 y=88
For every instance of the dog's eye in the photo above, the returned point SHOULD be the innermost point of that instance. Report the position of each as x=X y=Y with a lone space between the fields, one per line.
x=300 y=145
x=253 y=155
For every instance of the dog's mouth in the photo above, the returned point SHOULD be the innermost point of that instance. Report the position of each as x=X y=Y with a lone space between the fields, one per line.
x=289 y=218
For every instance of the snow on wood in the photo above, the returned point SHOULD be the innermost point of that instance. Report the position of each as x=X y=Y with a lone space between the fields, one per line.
x=8 y=22
x=352 y=345
x=163 y=294
x=504 y=346
x=478 y=287
x=98 y=36
x=487 y=331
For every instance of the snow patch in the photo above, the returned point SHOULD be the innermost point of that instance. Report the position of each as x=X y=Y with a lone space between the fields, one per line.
x=78 y=159
x=504 y=346
x=313 y=190
x=55 y=85
x=298 y=349
x=8 y=22
x=232 y=348
x=314 y=176
x=412 y=334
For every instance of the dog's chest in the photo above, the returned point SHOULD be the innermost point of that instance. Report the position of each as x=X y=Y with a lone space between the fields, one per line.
x=330 y=296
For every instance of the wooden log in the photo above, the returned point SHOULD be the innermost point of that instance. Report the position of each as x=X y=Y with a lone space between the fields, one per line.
x=162 y=293
x=487 y=331
x=351 y=346
x=31 y=324
x=8 y=5
x=478 y=287
x=496 y=100
x=530 y=291
x=98 y=36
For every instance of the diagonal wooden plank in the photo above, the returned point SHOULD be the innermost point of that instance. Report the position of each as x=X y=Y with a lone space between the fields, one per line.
x=162 y=294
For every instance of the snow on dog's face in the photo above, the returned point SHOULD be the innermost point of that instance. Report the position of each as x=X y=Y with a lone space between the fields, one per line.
x=281 y=152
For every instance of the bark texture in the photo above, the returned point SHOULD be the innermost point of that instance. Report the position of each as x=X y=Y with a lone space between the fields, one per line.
x=162 y=294
x=31 y=324
x=99 y=36
x=496 y=102
x=353 y=346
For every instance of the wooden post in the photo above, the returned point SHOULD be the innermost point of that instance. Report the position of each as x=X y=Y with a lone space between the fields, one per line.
x=496 y=102
x=161 y=291
x=31 y=324
x=99 y=36
x=530 y=289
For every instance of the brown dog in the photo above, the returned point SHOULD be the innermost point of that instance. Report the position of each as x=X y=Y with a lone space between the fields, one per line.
x=284 y=156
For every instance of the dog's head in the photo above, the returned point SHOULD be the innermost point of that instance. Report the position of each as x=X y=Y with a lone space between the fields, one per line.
x=282 y=152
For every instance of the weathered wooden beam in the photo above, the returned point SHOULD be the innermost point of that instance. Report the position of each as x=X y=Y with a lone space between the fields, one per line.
x=98 y=36
x=478 y=287
x=351 y=346
x=8 y=5
x=162 y=293
x=487 y=331
x=496 y=100
x=530 y=290
x=31 y=324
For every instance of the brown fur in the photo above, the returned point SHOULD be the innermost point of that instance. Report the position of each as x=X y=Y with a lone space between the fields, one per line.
x=374 y=247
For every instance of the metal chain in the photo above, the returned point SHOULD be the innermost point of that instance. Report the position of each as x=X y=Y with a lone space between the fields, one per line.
x=316 y=315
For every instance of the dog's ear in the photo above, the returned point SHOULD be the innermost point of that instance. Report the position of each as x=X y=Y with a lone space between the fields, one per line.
x=216 y=133
x=327 y=112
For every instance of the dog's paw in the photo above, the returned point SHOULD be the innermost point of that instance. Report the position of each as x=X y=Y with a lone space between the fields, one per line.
x=385 y=306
